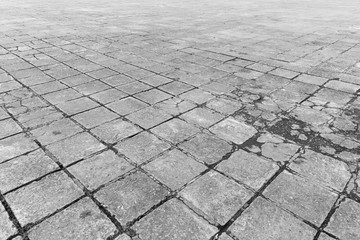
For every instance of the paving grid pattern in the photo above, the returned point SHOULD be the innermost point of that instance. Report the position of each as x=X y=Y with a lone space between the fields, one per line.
x=176 y=120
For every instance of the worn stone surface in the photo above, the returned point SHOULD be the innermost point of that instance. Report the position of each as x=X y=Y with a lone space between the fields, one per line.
x=271 y=222
x=216 y=196
x=248 y=168
x=23 y=169
x=100 y=169
x=207 y=148
x=83 y=220
x=6 y=226
x=16 y=145
x=302 y=197
x=115 y=131
x=249 y=89
x=233 y=130
x=43 y=197
x=326 y=170
x=174 y=169
x=142 y=147
x=345 y=221
x=132 y=196
x=75 y=148
x=173 y=220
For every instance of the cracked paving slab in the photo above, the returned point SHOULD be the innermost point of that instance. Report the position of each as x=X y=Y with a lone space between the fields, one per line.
x=164 y=119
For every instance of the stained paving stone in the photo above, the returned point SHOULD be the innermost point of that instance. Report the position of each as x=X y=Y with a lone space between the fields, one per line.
x=224 y=106
x=173 y=220
x=148 y=117
x=304 y=198
x=14 y=146
x=7 y=228
x=326 y=170
x=264 y=220
x=43 y=197
x=233 y=130
x=202 y=117
x=95 y=117
x=77 y=105
x=75 y=148
x=9 y=127
x=175 y=130
x=142 y=147
x=56 y=131
x=216 y=196
x=344 y=223
x=248 y=168
x=127 y=105
x=39 y=117
x=174 y=169
x=207 y=148
x=82 y=220
x=131 y=197
x=100 y=169
x=23 y=169
x=115 y=131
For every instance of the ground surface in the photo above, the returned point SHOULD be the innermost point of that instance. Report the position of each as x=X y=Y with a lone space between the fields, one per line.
x=174 y=120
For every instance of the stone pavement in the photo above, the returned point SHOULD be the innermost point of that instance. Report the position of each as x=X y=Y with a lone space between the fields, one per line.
x=179 y=120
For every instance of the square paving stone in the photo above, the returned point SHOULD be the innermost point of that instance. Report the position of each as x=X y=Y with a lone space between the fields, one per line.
x=198 y=96
x=102 y=73
x=82 y=220
x=115 y=131
x=175 y=130
x=7 y=228
x=248 y=168
x=3 y=114
x=109 y=95
x=39 y=117
x=77 y=105
x=56 y=131
x=345 y=222
x=264 y=220
x=224 y=106
x=326 y=170
x=152 y=96
x=9 y=127
x=41 y=198
x=123 y=237
x=142 y=147
x=233 y=130
x=23 y=169
x=76 y=80
x=217 y=196
x=207 y=148
x=311 y=79
x=175 y=106
x=118 y=80
x=173 y=220
x=156 y=80
x=100 y=169
x=75 y=148
x=324 y=236
x=202 y=117
x=95 y=117
x=176 y=87
x=127 y=105
x=174 y=169
x=134 y=87
x=48 y=87
x=91 y=87
x=302 y=197
x=16 y=145
x=62 y=96
x=148 y=117
x=130 y=197
x=342 y=86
